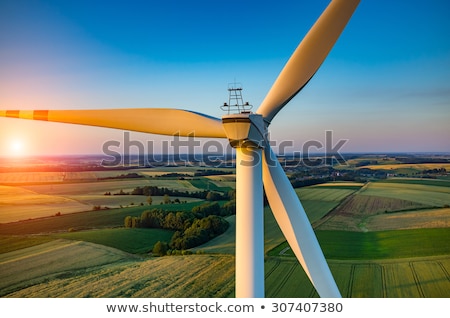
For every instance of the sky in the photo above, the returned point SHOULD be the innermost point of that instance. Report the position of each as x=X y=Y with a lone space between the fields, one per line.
x=384 y=87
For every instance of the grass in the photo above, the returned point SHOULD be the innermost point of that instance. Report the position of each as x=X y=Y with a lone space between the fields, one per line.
x=344 y=245
x=137 y=241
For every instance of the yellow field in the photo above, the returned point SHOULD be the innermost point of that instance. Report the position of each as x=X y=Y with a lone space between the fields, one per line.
x=17 y=204
x=223 y=178
x=433 y=218
x=31 y=177
x=226 y=180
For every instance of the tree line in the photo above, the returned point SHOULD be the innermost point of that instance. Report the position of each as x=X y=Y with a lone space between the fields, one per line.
x=192 y=228
x=162 y=191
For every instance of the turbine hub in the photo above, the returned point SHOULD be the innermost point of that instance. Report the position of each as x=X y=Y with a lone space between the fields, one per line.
x=245 y=130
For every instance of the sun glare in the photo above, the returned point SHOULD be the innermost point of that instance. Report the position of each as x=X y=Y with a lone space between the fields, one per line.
x=16 y=147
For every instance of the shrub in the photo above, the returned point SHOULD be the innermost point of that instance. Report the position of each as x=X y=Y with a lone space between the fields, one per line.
x=160 y=249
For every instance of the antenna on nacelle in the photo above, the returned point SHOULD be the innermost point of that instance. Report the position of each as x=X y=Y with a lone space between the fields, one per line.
x=236 y=103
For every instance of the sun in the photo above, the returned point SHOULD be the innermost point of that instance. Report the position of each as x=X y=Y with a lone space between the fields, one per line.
x=16 y=147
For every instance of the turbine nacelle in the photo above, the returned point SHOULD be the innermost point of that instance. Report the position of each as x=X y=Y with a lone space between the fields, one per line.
x=245 y=130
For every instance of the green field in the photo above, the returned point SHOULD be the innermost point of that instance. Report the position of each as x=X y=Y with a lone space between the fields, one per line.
x=207 y=184
x=422 y=181
x=412 y=278
x=344 y=245
x=136 y=241
x=318 y=201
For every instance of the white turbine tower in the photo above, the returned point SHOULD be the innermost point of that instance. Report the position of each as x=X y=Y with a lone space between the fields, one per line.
x=255 y=163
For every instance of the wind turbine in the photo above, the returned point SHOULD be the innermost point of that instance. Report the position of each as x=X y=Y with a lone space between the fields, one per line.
x=255 y=166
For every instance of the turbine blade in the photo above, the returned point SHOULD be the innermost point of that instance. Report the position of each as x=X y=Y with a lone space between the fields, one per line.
x=294 y=224
x=148 y=120
x=308 y=57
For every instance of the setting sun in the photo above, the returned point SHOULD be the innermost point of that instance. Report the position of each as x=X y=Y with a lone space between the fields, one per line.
x=16 y=147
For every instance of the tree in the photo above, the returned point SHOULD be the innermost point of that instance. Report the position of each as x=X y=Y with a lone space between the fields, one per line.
x=166 y=199
x=213 y=196
x=149 y=200
x=229 y=208
x=232 y=194
x=135 y=222
x=128 y=221
x=160 y=248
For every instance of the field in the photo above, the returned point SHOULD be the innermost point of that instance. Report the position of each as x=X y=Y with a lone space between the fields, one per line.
x=386 y=238
x=22 y=199
x=429 y=195
x=319 y=200
x=136 y=241
x=392 y=205
x=21 y=204
x=107 y=218
x=416 y=167
x=81 y=269
x=99 y=271
x=410 y=278
x=345 y=245
x=393 y=166
x=30 y=177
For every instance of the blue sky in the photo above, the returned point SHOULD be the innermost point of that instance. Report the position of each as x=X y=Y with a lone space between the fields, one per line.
x=385 y=85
